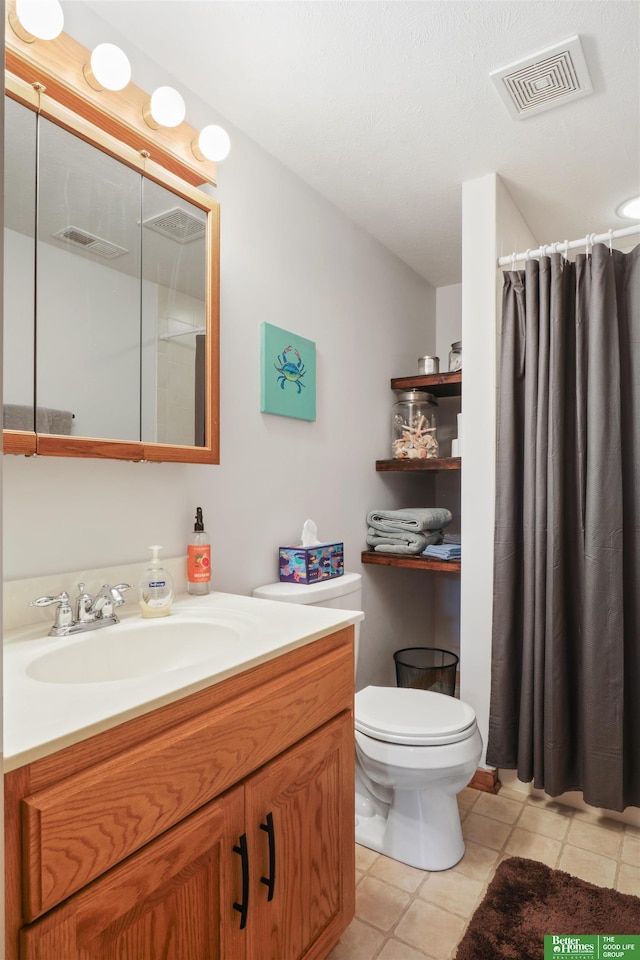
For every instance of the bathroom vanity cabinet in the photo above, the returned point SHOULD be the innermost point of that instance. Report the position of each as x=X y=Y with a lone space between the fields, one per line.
x=440 y=385
x=218 y=826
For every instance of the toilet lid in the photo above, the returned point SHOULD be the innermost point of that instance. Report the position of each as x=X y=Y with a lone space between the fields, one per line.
x=413 y=717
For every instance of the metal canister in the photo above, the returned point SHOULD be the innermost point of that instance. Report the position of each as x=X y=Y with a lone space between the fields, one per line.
x=428 y=364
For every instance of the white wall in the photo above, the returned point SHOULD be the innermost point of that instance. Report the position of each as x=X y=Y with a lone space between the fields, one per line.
x=449 y=321
x=446 y=586
x=287 y=257
x=82 y=358
x=18 y=277
x=491 y=226
x=176 y=312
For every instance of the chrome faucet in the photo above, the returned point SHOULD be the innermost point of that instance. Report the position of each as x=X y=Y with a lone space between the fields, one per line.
x=90 y=613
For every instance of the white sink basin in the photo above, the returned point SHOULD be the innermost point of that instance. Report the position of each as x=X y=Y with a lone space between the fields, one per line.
x=139 y=649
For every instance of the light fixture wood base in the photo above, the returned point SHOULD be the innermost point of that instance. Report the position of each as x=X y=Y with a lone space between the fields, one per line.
x=60 y=65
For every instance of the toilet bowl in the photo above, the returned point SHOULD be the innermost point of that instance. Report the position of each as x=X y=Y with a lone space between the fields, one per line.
x=415 y=751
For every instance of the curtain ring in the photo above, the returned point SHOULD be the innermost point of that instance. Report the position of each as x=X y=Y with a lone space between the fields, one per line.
x=528 y=254
x=513 y=260
x=566 y=249
x=610 y=242
x=586 y=243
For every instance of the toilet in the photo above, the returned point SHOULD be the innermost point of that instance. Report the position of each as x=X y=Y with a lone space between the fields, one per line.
x=415 y=751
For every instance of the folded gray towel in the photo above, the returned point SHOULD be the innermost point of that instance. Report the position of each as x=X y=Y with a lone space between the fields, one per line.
x=50 y=420
x=410 y=518
x=401 y=541
x=17 y=416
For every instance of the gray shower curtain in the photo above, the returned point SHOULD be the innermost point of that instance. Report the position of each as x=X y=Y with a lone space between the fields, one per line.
x=565 y=685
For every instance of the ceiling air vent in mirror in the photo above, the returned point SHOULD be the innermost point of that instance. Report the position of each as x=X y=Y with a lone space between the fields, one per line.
x=178 y=224
x=90 y=243
x=544 y=80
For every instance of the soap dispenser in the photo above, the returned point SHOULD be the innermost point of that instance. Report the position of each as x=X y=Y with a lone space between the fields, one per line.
x=156 y=588
x=199 y=558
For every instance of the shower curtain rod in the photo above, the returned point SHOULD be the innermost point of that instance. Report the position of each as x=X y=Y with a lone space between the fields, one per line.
x=564 y=246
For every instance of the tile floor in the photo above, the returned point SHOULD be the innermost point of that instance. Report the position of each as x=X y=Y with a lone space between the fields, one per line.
x=408 y=914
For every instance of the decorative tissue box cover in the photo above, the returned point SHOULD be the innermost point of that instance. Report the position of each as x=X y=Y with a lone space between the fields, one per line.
x=309 y=564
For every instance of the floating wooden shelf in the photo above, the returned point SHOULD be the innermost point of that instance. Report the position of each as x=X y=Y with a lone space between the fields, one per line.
x=410 y=561
x=434 y=463
x=439 y=384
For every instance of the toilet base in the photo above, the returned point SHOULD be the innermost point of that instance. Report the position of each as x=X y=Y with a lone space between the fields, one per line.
x=420 y=828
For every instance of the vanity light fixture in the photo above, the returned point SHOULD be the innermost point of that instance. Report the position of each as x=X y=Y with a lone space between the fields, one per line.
x=212 y=144
x=37 y=20
x=630 y=209
x=108 y=69
x=166 y=108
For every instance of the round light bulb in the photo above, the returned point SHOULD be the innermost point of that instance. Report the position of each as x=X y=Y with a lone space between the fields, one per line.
x=630 y=209
x=43 y=19
x=212 y=144
x=110 y=67
x=166 y=108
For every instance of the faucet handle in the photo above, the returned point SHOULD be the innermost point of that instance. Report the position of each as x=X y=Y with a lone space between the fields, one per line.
x=116 y=592
x=45 y=601
x=64 y=613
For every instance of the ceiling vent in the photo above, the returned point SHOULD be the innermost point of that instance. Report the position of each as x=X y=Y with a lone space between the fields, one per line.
x=544 y=80
x=178 y=224
x=90 y=243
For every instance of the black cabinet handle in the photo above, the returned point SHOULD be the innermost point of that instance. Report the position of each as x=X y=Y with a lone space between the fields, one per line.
x=244 y=905
x=270 y=881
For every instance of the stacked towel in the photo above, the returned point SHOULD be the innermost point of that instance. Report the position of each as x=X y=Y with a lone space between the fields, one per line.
x=401 y=542
x=446 y=551
x=406 y=531
x=409 y=518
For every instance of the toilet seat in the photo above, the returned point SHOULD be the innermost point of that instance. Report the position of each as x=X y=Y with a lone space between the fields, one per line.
x=413 y=717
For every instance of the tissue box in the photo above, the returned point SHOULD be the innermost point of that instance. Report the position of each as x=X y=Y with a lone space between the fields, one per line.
x=309 y=564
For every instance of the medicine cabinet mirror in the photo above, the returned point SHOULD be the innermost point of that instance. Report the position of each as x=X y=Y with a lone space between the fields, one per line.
x=111 y=292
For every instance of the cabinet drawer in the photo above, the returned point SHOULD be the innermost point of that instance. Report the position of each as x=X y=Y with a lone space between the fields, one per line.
x=173 y=898
x=77 y=829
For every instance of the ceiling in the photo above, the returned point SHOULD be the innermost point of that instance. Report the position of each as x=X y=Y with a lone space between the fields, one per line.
x=386 y=108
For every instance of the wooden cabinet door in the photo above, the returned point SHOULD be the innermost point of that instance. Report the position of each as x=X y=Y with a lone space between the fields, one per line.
x=172 y=900
x=299 y=813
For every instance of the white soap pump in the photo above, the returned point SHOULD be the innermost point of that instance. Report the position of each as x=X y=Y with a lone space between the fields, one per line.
x=156 y=588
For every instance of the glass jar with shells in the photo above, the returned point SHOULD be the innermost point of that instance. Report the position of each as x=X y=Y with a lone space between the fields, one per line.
x=414 y=423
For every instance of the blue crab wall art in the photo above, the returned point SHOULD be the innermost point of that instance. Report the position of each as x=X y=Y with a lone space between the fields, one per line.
x=288 y=368
x=289 y=371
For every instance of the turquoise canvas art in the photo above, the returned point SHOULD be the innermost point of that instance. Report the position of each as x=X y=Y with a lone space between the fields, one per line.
x=288 y=374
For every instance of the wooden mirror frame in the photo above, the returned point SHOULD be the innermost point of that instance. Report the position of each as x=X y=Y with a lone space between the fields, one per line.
x=47 y=77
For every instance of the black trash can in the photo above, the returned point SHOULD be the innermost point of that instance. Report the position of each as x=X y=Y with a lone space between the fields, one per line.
x=427 y=668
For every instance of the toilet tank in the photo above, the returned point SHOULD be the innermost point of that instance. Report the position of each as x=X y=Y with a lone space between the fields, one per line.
x=341 y=593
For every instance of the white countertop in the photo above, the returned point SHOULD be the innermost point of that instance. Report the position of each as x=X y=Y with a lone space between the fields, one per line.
x=43 y=717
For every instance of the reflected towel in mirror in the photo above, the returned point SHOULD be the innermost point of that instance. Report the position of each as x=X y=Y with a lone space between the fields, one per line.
x=17 y=416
